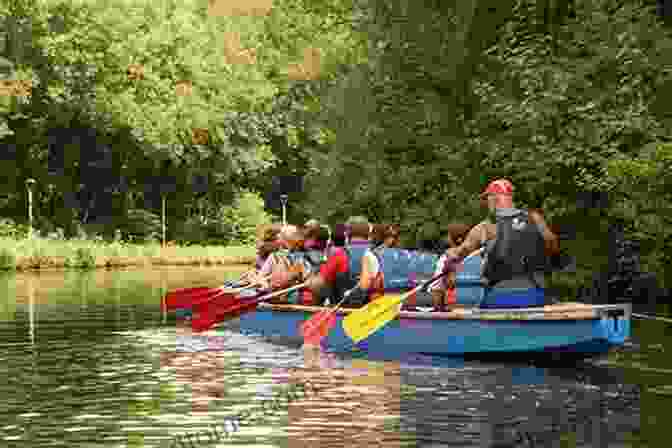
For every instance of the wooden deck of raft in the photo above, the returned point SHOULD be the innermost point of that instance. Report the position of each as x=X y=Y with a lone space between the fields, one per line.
x=560 y=311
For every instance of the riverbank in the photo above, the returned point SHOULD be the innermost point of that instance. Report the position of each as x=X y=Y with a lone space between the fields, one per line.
x=40 y=254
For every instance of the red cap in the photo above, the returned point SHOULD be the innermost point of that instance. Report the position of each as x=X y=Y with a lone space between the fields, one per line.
x=499 y=186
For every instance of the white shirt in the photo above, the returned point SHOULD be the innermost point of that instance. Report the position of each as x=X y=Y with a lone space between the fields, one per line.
x=371 y=261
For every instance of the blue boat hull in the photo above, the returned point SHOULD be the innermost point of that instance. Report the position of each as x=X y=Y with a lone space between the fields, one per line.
x=434 y=334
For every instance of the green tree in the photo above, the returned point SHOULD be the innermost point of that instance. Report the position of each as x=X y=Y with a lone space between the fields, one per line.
x=163 y=85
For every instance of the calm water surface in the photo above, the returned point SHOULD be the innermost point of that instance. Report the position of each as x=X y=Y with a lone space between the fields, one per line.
x=89 y=360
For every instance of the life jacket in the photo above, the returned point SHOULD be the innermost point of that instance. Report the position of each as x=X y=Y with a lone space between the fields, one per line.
x=260 y=262
x=311 y=259
x=348 y=282
x=343 y=282
x=309 y=262
x=378 y=286
x=281 y=257
x=355 y=252
x=297 y=261
x=517 y=252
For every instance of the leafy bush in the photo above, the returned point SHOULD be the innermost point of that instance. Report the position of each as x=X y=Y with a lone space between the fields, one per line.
x=233 y=224
x=142 y=224
x=84 y=258
x=7 y=259
x=243 y=218
x=10 y=229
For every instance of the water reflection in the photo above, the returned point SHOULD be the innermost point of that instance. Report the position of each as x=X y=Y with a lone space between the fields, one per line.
x=355 y=405
x=92 y=360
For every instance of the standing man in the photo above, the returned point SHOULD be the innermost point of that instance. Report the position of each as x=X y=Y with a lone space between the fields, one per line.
x=517 y=249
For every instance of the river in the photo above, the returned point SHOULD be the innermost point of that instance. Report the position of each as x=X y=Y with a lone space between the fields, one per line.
x=90 y=360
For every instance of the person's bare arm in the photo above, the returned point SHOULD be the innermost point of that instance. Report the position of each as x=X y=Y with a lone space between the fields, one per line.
x=551 y=240
x=471 y=243
x=315 y=282
x=365 y=277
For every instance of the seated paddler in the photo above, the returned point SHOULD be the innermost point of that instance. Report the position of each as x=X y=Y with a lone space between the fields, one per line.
x=444 y=294
x=268 y=242
x=372 y=278
x=315 y=246
x=339 y=275
x=333 y=281
x=286 y=266
x=517 y=247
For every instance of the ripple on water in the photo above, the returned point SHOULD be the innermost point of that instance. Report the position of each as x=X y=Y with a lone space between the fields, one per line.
x=114 y=375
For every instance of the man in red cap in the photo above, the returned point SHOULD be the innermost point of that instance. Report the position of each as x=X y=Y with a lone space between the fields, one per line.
x=517 y=249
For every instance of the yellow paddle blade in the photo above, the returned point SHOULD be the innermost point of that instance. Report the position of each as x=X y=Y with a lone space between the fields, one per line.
x=360 y=324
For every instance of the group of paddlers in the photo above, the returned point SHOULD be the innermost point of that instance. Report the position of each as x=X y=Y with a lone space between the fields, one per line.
x=350 y=262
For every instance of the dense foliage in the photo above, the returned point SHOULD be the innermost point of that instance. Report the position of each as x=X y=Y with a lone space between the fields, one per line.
x=394 y=109
x=134 y=102
x=545 y=93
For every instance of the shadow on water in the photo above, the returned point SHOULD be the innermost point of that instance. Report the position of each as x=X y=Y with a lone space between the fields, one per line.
x=90 y=360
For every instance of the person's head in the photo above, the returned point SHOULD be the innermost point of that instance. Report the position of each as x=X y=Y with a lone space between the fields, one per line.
x=339 y=236
x=358 y=227
x=387 y=234
x=392 y=235
x=268 y=240
x=316 y=236
x=498 y=194
x=292 y=237
x=456 y=234
x=268 y=232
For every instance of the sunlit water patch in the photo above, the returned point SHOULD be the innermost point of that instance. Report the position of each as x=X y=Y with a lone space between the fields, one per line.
x=93 y=362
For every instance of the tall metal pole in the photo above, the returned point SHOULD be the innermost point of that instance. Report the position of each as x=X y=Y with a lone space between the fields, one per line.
x=29 y=187
x=283 y=199
x=31 y=310
x=163 y=221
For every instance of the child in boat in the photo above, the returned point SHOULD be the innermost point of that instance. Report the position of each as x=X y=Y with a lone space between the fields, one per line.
x=444 y=298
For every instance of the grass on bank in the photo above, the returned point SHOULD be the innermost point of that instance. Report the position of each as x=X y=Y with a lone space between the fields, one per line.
x=38 y=253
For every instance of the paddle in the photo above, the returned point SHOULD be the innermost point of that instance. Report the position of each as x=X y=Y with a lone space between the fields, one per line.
x=233 y=309
x=363 y=322
x=319 y=325
x=189 y=297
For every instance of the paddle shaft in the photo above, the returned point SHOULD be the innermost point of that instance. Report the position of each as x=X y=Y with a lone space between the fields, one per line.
x=281 y=292
x=426 y=283
x=243 y=288
x=237 y=309
x=187 y=298
x=412 y=291
x=361 y=323
x=646 y=316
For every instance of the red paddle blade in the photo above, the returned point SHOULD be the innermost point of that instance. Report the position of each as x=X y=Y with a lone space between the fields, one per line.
x=214 y=312
x=317 y=327
x=187 y=298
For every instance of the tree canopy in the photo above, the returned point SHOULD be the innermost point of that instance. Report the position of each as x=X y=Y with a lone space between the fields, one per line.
x=398 y=110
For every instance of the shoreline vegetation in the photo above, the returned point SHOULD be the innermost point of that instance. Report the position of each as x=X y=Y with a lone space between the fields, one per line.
x=44 y=254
